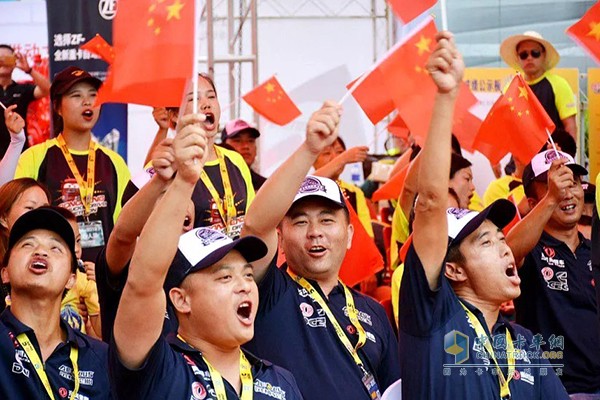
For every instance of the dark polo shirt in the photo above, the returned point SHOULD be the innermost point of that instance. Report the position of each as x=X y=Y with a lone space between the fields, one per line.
x=432 y=321
x=558 y=297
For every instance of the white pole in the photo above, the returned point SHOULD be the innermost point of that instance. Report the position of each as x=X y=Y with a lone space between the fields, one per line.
x=444 y=15
x=196 y=56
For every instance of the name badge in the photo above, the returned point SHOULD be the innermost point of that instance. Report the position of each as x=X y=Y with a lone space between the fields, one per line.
x=369 y=381
x=92 y=234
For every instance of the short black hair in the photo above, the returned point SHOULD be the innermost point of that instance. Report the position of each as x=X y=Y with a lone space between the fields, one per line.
x=5 y=46
x=565 y=141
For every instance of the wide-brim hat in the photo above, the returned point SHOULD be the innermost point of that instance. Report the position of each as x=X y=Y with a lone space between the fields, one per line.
x=508 y=50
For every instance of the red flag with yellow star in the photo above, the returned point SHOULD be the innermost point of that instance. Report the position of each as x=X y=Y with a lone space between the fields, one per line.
x=517 y=124
x=100 y=47
x=407 y=10
x=272 y=102
x=154 y=46
x=586 y=32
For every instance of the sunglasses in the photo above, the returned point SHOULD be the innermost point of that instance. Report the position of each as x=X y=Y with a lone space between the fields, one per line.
x=534 y=53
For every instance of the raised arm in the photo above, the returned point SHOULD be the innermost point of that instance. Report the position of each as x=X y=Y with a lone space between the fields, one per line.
x=142 y=308
x=42 y=84
x=161 y=117
x=15 y=125
x=410 y=187
x=134 y=215
x=335 y=167
x=523 y=237
x=276 y=195
x=430 y=229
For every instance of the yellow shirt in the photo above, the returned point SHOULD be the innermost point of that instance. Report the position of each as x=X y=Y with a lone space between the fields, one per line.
x=500 y=189
x=83 y=288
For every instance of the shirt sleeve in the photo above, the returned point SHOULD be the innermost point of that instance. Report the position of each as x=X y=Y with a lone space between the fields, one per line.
x=26 y=166
x=564 y=98
x=9 y=162
x=272 y=287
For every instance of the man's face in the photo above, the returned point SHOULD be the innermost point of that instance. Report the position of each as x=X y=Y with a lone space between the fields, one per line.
x=39 y=265
x=7 y=62
x=315 y=235
x=224 y=301
x=462 y=184
x=532 y=66
x=569 y=210
x=489 y=265
x=245 y=144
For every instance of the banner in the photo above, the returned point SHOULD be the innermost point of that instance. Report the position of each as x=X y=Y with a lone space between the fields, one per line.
x=69 y=30
x=593 y=92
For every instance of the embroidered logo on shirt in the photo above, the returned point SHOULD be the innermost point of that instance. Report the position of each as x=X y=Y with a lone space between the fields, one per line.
x=198 y=391
x=266 y=388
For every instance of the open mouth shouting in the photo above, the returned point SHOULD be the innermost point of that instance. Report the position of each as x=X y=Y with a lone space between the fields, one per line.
x=38 y=265
x=244 y=312
x=512 y=273
x=88 y=114
x=317 y=250
x=209 y=123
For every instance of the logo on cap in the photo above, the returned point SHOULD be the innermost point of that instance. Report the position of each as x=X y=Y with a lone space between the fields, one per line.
x=209 y=236
x=458 y=212
x=312 y=185
x=77 y=72
x=553 y=155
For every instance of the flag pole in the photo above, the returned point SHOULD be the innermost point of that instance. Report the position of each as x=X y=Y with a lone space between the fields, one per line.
x=444 y=15
x=196 y=56
x=2 y=105
x=552 y=142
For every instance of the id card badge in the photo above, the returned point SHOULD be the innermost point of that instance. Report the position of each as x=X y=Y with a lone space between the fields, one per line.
x=369 y=381
x=92 y=234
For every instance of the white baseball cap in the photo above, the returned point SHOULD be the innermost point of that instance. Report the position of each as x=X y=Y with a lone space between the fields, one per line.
x=320 y=187
x=537 y=169
x=463 y=222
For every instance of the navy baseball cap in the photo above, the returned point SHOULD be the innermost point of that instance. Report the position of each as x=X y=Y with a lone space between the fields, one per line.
x=237 y=126
x=42 y=218
x=537 y=169
x=200 y=248
x=462 y=222
x=65 y=79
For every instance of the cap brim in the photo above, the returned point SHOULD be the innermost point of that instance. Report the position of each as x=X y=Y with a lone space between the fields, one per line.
x=500 y=213
x=42 y=218
x=95 y=82
x=306 y=196
x=577 y=169
x=250 y=247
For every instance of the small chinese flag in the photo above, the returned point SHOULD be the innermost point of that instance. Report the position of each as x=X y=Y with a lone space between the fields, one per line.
x=272 y=102
x=398 y=127
x=586 y=32
x=517 y=124
x=407 y=10
x=363 y=259
x=373 y=96
x=153 y=43
x=393 y=187
x=100 y=47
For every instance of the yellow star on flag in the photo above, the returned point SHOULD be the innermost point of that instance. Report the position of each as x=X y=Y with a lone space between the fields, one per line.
x=423 y=45
x=523 y=92
x=594 y=30
x=174 y=10
x=269 y=87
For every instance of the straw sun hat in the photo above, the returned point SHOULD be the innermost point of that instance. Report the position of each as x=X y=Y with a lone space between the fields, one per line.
x=508 y=50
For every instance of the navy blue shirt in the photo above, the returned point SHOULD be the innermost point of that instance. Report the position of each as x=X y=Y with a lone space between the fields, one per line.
x=558 y=298
x=293 y=331
x=431 y=322
x=110 y=288
x=176 y=371
x=19 y=380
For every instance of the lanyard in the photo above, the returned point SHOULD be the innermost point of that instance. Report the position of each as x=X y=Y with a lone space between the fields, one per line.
x=228 y=198
x=245 y=376
x=352 y=315
x=39 y=366
x=510 y=350
x=86 y=189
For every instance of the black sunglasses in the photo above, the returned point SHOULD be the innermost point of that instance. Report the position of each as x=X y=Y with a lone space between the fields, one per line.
x=534 y=53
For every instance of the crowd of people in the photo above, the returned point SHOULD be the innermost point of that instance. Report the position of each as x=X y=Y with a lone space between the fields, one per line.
x=206 y=280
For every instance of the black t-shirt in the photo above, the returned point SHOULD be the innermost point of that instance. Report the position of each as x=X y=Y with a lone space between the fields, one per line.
x=21 y=95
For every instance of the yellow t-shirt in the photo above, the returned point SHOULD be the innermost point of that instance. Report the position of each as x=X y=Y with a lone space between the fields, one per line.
x=83 y=288
x=500 y=189
x=400 y=234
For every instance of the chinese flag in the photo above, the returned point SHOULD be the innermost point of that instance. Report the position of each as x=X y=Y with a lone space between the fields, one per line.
x=586 y=32
x=363 y=259
x=100 y=47
x=465 y=128
x=398 y=127
x=407 y=10
x=517 y=124
x=272 y=102
x=153 y=43
x=373 y=96
x=392 y=188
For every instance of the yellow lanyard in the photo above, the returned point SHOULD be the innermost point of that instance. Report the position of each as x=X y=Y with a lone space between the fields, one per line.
x=352 y=315
x=86 y=189
x=39 y=366
x=245 y=376
x=510 y=352
x=228 y=198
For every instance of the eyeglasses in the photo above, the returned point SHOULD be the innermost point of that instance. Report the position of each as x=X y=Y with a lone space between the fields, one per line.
x=534 y=53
